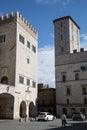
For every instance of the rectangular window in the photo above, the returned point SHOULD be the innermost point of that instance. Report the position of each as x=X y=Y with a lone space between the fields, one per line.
x=85 y=100
x=28 y=61
x=67 y=101
x=63 y=78
x=21 y=38
x=2 y=38
x=33 y=48
x=21 y=79
x=68 y=91
x=33 y=84
x=84 y=90
x=83 y=68
x=28 y=44
x=76 y=76
x=28 y=81
x=61 y=24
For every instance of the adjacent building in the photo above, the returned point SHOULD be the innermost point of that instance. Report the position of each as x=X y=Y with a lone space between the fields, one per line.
x=46 y=99
x=18 y=67
x=70 y=68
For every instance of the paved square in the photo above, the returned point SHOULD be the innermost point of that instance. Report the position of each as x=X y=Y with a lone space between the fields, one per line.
x=43 y=125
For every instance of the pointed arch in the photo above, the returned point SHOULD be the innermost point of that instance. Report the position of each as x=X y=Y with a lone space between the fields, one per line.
x=23 y=109
x=31 y=109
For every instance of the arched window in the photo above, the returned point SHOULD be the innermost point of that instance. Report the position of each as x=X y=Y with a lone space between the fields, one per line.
x=4 y=80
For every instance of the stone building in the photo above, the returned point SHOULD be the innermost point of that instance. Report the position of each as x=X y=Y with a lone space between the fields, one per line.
x=70 y=68
x=18 y=67
x=46 y=99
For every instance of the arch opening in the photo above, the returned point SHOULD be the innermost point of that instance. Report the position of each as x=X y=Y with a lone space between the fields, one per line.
x=4 y=80
x=31 y=109
x=6 y=106
x=23 y=109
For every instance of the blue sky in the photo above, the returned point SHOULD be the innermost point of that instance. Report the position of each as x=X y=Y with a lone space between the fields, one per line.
x=40 y=14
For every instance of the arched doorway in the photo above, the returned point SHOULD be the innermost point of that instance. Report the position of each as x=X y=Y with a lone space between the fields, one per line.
x=4 y=80
x=23 y=109
x=31 y=109
x=6 y=106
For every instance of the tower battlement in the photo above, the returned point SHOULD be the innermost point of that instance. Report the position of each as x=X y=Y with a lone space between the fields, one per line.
x=22 y=19
x=16 y=16
x=6 y=18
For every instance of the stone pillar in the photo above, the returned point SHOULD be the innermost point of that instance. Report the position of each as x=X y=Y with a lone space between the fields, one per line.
x=16 y=107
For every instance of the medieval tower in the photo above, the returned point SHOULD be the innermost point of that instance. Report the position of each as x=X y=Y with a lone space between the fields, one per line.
x=70 y=68
x=18 y=67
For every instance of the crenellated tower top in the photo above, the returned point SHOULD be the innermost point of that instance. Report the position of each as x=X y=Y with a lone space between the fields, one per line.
x=16 y=16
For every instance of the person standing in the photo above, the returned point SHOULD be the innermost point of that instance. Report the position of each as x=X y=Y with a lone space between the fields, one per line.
x=64 y=119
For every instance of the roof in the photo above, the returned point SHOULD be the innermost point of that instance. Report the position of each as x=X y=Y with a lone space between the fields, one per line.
x=66 y=17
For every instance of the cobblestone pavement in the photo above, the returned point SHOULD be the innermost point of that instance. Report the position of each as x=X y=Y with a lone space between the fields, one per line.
x=35 y=125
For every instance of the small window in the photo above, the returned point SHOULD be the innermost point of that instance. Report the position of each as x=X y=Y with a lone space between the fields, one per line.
x=33 y=84
x=67 y=101
x=33 y=48
x=83 y=68
x=2 y=38
x=28 y=81
x=4 y=80
x=85 y=100
x=61 y=24
x=68 y=91
x=21 y=39
x=76 y=76
x=28 y=61
x=84 y=90
x=21 y=79
x=63 y=78
x=28 y=44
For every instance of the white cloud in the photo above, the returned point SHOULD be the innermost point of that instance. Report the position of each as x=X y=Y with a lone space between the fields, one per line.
x=64 y=2
x=46 y=66
x=84 y=36
x=83 y=39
